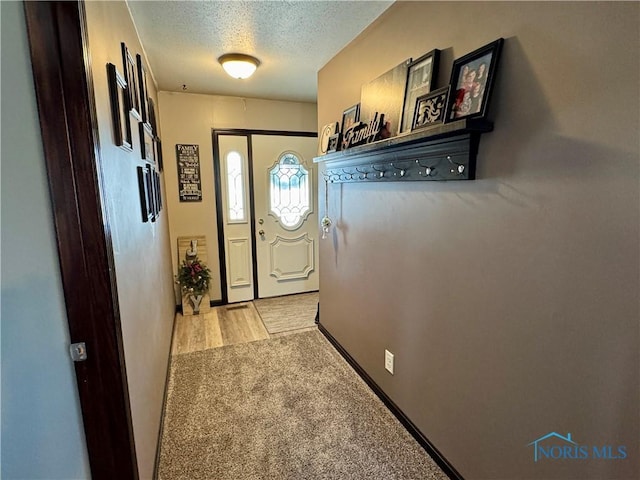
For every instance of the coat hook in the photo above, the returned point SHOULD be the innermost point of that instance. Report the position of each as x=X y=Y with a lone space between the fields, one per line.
x=427 y=169
x=365 y=174
x=402 y=170
x=348 y=173
x=380 y=172
x=459 y=166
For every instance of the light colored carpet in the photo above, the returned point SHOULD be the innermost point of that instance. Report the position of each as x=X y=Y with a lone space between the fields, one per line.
x=288 y=408
x=291 y=312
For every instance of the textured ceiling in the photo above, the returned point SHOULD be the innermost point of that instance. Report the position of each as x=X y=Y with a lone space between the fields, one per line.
x=292 y=39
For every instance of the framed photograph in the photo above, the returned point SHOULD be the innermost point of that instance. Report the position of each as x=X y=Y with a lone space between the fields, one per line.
x=146 y=143
x=144 y=91
x=350 y=117
x=334 y=142
x=325 y=134
x=143 y=186
x=431 y=108
x=472 y=79
x=420 y=80
x=157 y=191
x=118 y=97
x=151 y=196
x=131 y=78
x=152 y=116
x=158 y=154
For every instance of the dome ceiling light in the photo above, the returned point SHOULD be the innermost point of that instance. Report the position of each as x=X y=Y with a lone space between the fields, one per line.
x=239 y=65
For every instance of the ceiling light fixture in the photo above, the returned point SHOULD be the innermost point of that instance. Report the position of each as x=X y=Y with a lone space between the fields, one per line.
x=239 y=65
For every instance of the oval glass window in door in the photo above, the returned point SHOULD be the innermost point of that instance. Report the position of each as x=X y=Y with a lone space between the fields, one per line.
x=289 y=191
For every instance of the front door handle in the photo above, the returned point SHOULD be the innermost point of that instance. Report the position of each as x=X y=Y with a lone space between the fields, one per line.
x=261 y=233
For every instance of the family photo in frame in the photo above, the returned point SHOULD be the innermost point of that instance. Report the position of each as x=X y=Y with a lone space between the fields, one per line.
x=472 y=79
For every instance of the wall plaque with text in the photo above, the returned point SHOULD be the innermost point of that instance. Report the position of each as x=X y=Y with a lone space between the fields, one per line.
x=189 y=184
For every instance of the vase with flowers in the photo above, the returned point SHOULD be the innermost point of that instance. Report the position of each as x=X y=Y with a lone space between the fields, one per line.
x=194 y=277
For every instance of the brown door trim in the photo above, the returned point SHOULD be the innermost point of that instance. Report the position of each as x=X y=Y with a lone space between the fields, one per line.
x=66 y=104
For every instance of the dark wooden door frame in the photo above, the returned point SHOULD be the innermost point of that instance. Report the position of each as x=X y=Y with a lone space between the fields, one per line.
x=64 y=90
x=238 y=132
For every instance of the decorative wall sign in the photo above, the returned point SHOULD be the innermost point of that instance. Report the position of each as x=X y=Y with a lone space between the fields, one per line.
x=119 y=108
x=362 y=133
x=431 y=108
x=420 y=80
x=385 y=94
x=472 y=79
x=189 y=184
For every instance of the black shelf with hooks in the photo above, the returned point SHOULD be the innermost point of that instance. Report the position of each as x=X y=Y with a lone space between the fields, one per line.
x=442 y=152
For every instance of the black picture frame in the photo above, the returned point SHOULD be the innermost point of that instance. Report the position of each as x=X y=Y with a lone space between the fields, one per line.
x=431 y=108
x=350 y=117
x=472 y=82
x=158 y=154
x=151 y=196
x=118 y=98
x=334 y=143
x=157 y=190
x=130 y=76
x=145 y=207
x=152 y=116
x=421 y=78
x=144 y=91
x=146 y=143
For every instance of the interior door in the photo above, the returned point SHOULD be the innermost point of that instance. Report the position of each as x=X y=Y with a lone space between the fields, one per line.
x=236 y=216
x=286 y=214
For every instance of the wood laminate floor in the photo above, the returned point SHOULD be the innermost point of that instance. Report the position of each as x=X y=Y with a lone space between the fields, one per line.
x=224 y=325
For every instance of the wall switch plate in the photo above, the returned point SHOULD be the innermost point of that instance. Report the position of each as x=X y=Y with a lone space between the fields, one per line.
x=388 y=361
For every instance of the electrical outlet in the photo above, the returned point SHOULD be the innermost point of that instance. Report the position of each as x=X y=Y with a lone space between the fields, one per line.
x=388 y=361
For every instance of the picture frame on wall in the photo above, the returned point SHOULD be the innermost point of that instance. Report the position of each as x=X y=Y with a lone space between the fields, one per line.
x=118 y=97
x=131 y=78
x=158 y=154
x=421 y=78
x=431 y=108
x=472 y=79
x=143 y=186
x=144 y=92
x=152 y=116
x=350 y=117
x=147 y=146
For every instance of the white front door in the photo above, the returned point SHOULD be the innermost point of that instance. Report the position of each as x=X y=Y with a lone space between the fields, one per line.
x=286 y=214
x=285 y=206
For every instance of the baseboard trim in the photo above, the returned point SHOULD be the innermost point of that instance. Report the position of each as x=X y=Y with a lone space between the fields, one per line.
x=424 y=442
x=212 y=303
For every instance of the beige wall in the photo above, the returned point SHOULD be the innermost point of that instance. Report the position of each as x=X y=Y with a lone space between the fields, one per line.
x=189 y=119
x=141 y=250
x=510 y=302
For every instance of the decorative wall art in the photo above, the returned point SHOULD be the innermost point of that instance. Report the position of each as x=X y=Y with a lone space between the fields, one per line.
x=431 y=108
x=325 y=134
x=146 y=143
x=420 y=80
x=362 y=133
x=118 y=96
x=189 y=184
x=472 y=79
x=152 y=116
x=385 y=96
x=144 y=92
x=131 y=78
